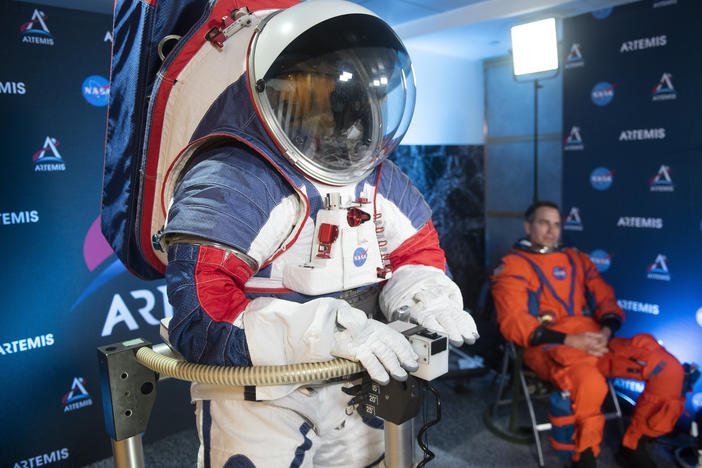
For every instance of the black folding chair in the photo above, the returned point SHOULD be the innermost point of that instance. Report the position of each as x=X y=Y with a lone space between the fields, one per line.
x=519 y=376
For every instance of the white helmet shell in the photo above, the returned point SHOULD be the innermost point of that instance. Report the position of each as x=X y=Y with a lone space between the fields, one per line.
x=334 y=86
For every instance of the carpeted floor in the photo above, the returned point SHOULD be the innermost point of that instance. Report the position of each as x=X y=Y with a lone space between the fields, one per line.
x=459 y=440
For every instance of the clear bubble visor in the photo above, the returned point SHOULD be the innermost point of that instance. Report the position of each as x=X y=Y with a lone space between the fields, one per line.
x=339 y=98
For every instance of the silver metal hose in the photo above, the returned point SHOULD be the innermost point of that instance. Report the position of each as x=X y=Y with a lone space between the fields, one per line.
x=239 y=376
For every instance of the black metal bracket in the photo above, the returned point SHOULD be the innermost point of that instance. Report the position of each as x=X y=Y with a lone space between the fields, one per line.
x=128 y=389
x=396 y=402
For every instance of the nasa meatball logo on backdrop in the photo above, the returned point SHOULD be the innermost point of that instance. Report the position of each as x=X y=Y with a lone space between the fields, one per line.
x=658 y=270
x=574 y=141
x=664 y=89
x=662 y=181
x=573 y=221
x=48 y=158
x=601 y=178
x=574 y=59
x=602 y=93
x=96 y=90
x=36 y=31
x=601 y=259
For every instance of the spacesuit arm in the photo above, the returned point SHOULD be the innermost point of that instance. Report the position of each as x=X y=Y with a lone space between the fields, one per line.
x=420 y=289
x=205 y=288
x=214 y=323
x=512 y=294
x=606 y=310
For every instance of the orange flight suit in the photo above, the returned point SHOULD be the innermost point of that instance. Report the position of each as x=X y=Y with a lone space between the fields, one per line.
x=563 y=291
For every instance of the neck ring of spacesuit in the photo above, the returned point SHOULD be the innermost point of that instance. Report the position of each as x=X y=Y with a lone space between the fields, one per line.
x=527 y=246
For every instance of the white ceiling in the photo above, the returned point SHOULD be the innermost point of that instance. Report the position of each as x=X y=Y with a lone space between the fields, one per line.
x=474 y=29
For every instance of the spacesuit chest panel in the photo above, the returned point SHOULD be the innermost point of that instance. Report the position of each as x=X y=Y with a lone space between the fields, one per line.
x=345 y=251
x=556 y=274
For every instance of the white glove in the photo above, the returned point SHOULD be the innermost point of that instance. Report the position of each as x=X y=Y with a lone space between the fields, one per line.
x=430 y=299
x=379 y=348
x=444 y=317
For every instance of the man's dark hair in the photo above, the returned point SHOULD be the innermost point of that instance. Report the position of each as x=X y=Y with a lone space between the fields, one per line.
x=529 y=213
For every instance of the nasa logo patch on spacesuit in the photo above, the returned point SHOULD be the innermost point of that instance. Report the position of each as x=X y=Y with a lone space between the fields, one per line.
x=559 y=273
x=360 y=255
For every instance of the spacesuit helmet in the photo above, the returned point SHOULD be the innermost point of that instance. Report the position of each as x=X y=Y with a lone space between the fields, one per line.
x=334 y=87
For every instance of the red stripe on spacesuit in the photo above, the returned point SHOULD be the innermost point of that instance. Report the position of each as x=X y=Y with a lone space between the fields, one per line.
x=219 y=281
x=420 y=249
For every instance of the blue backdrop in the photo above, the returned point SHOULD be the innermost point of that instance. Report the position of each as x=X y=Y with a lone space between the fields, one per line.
x=632 y=165
x=63 y=292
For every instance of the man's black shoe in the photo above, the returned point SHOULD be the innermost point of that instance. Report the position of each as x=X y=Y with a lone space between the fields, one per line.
x=587 y=460
x=639 y=458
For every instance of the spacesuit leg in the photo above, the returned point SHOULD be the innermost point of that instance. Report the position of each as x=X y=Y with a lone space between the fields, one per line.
x=313 y=426
x=576 y=371
x=247 y=434
x=661 y=403
x=351 y=442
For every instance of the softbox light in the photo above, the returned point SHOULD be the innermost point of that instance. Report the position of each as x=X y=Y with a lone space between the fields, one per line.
x=535 y=47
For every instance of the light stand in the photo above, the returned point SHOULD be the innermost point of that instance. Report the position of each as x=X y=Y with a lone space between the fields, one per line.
x=535 y=56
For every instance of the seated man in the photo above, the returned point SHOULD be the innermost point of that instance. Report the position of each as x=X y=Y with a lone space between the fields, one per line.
x=552 y=301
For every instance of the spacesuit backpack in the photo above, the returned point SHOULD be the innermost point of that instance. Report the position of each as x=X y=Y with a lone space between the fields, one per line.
x=168 y=63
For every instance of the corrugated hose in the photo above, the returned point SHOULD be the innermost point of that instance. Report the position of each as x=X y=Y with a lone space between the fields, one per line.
x=241 y=376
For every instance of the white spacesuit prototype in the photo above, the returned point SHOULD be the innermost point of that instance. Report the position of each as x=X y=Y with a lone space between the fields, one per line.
x=287 y=232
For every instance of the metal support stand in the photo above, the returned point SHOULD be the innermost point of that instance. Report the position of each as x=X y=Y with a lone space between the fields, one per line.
x=397 y=403
x=128 y=453
x=128 y=395
x=399 y=444
x=129 y=392
x=536 y=140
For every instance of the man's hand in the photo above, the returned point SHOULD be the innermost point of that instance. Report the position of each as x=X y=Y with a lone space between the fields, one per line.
x=606 y=332
x=594 y=343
